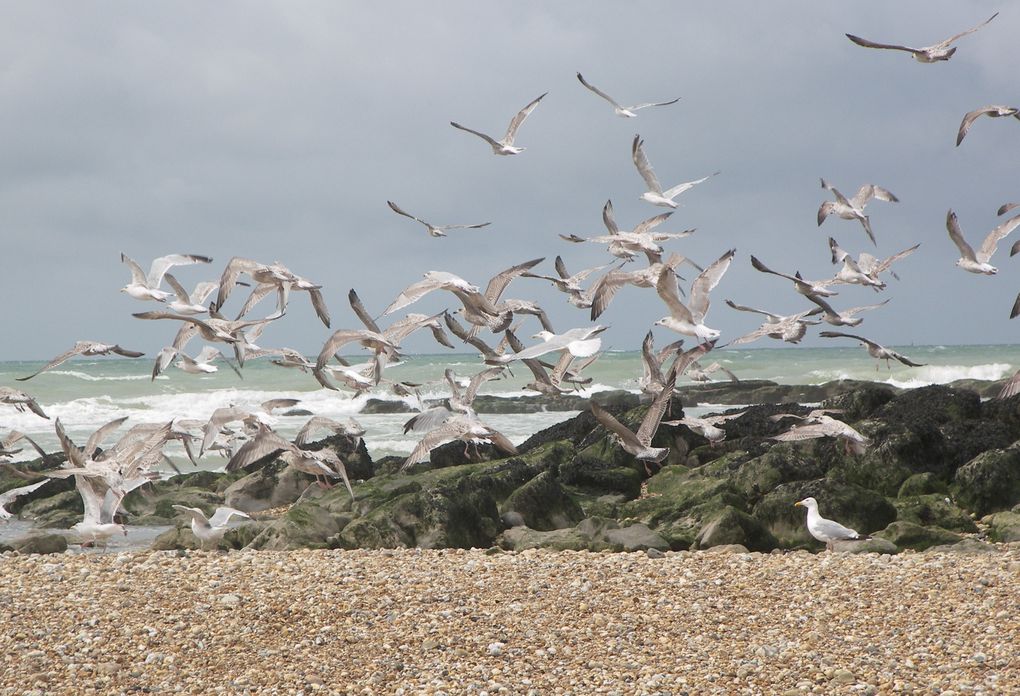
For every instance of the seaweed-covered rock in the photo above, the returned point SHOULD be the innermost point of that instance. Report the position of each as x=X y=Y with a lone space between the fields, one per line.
x=933 y=510
x=907 y=535
x=591 y=534
x=870 y=545
x=269 y=486
x=1003 y=526
x=861 y=401
x=544 y=504
x=733 y=526
x=922 y=484
x=931 y=405
x=57 y=511
x=990 y=482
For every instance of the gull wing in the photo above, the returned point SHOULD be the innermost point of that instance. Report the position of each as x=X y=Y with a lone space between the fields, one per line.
x=651 y=421
x=652 y=222
x=606 y=289
x=478 y=379
x=874 y=44
x=78 y=349
x=953 y=225
x=651 y=364
x=667 y=289
x=644 y=167
x=12 y=493
x=991 y=242
x=228 y=279
x=96 y=438
x=609 y=219
x=499 y=281
x=599 y=92
x=359 y=309
x=448 y=432
x=74 y=455
x=645 y=105
x=483 y=136
x=137 y=274
x=1006 y=207
x=397 y=209
x=223 y=515
x=178 y=289
x=516 y=121
x=742 y=308
x=162 y=264
x=680 y=188
x=944 y=43
x=265 y=443
x=607 y=420
x=706 y=282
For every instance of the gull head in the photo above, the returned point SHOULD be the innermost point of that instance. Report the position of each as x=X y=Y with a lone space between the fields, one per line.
x=544 y=335
x=809 y=503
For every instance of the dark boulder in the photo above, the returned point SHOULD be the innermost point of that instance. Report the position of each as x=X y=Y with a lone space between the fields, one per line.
x=990 y=482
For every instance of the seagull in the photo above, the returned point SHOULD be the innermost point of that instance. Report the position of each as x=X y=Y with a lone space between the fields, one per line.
x=655 y=195
x=506 y=145
x=202 y=363
x=690 y=320
x=20 y=400
x=465 y=427
x=790 y=328
x=639 y=444
x=605 y=289
x=88 y=349
x=351 y=429
x=146 y=287
x=808 y=288
x=868 y=266
x=994 y=110
x=701 y=374
x=623 y=111
x=210 y=528
x=853 y=208
x=978 y=262
x=818 y=424
x=825 y=530
x=652 y=379
x=193 y=303
x=874 y=350
x=434 y=230
x=581 y=343
x=269 y=277
x=708 y=426
x=569 y=284
x=1006 y=207
x=847 y=317
x=8 y=496
x=925 y=54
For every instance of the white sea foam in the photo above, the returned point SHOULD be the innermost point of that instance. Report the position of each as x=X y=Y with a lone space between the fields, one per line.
x=944 y=374
x=100 y=378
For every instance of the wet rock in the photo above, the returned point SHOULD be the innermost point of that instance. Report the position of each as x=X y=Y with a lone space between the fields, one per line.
x=1003 y=526
x=41 y=544
x=966 y=547
x=270 y=486
x=544 y=504
x=922 y=484
x=591 y=534
x=385 y=406
x=872 y=545
x=58 y=511
x=733 y=526
x=990 y=482
x=935 y=510
x=861 y=401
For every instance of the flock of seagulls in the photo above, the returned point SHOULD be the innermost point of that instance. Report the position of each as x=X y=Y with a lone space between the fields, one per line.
x=103 y=476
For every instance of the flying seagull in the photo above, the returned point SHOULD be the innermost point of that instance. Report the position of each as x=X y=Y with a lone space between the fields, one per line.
x=808 y=288
x=875 y=350
x=506 y=145
x=689 y=319
x=146 y=287
x=434 y=230
x=819 y=423
x=655 y=194
x=622 y=111
x=20 y=400
x=925 y=54
x=8 y=497
x=853 y=208
x=790 y=328
x=977 y=262
x=824 y=530
x=88 y=349
x=993 y=110
x=639 y=444
x=210 y=528
x=708 y=426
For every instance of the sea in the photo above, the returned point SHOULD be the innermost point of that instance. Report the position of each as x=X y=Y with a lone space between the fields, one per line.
x=86 y=393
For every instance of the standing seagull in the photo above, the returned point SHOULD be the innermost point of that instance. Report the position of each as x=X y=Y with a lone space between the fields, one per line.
x=210 y=528
x=824 y=530
x=639 y=444
x=623 y=111
x=434 y=230
x=874 y=350
x=86 y=348
x=655 y=195
x=995 y=111
x=506 y=145
x=977 y=262
x=925 y=54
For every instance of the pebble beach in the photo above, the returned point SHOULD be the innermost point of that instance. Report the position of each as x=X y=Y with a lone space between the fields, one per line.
x=414 y=621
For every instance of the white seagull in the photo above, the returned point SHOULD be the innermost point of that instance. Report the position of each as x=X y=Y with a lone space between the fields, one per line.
x=924 y=54
x=824 y=530
x=210 y=528
x=623 y=111
x=506 y=145
x=88 y=349
x=993 y=110
x=853 y=208
x=655 y=194
x=146 y=287
x=690 y=319
x=978 y=262
x=639 y=444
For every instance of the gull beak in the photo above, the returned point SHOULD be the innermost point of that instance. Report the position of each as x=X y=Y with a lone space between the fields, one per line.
x=798 y=503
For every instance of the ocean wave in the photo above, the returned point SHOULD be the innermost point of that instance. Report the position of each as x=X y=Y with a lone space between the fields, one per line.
x=100 y=378
x=944 y=374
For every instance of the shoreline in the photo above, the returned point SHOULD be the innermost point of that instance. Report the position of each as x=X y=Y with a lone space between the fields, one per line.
x=474 y=621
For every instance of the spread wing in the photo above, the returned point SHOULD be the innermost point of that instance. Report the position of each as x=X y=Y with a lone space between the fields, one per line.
x=651 y=421
x=516 y=121
x=874 y=44
x=706 y=281
x=991 y=242
x=957 y=236
x=599 y=92
x=644 y=167
x=954 y=37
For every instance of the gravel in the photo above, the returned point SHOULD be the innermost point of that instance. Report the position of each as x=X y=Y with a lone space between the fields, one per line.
x=477 y=622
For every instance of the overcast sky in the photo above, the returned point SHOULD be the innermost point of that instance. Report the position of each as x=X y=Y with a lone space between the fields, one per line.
x=278 y=130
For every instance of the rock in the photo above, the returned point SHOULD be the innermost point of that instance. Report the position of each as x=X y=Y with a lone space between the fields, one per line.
x=273 y=485
x=41 y=544
x=1004 y=527
x=385 y=406
x=990 y=482
x=591 y=534
x=933 y=405
x=512 y=519
x=872 y=545
x=59 y=511
x=848 y=504
x=733 y=526
x=862 y=400
x=934 y=510
x=544 y=504
x=635 y=537
x=965 y=547
x=353 y=453
x=907 y=535
x=922 y=484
